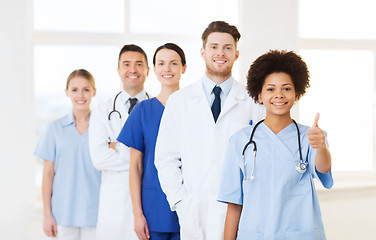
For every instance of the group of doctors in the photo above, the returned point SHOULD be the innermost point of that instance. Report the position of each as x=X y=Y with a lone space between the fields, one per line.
x=147 y=167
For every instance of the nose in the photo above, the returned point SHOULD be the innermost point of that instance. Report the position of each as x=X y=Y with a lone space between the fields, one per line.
x=132 y=68
x=220 y=51
x=81 y=93
x=279 y=94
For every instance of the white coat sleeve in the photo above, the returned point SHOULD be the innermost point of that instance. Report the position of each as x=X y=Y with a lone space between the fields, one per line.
x=103 y=157
x=168 y=156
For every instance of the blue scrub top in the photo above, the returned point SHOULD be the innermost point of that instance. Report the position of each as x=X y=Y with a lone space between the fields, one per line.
x=140 y=132
x=280 y=202
x=75 y=190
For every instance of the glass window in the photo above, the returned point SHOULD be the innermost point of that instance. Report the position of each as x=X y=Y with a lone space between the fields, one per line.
x=342 y=89
x=79 y=15
x=338 y=19
x=164 y=16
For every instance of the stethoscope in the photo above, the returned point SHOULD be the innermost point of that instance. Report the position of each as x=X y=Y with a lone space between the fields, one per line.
x=300 y=166
x=114 y=108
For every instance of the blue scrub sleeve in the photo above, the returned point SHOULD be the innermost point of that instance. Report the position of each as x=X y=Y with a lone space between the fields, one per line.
x=326 y=179
x=131 y=134
x=231 y=185
x=46 y=147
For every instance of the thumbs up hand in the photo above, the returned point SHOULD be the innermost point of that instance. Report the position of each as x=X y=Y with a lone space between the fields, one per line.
x=316 y=136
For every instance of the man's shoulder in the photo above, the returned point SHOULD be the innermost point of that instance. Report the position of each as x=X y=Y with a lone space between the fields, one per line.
x=190 y=90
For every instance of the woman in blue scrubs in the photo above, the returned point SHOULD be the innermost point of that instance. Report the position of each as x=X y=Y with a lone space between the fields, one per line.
x=153 y=218
x=270 y=194
x=70 y=187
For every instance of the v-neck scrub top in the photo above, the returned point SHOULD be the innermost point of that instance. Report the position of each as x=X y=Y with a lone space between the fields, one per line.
x=140 y=132
x=75 y=190
x=280 y=202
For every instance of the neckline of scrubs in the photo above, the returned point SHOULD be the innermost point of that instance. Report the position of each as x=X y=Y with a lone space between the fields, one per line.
x=280 y=132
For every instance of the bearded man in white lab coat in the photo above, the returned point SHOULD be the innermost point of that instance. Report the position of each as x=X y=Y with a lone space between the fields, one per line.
x=115 y=218
x=195 y=127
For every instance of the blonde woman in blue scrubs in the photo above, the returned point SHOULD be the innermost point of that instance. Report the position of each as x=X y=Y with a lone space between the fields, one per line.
x=153 y=218
x=70 y=187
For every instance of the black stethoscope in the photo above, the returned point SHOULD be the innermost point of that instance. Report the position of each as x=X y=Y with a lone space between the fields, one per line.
x=300 y=166
x=114 y=108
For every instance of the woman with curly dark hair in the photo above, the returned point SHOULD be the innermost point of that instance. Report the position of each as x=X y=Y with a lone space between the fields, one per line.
x=268 y=173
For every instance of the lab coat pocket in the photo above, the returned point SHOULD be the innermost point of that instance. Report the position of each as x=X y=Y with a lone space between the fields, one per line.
x=306 y=235
x=187 y=214
x=245 y=235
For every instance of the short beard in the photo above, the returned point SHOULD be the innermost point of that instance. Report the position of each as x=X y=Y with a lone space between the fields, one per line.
x=224 y=73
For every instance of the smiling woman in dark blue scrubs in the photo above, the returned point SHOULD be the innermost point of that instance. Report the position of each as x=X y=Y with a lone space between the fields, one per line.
x=153 y=218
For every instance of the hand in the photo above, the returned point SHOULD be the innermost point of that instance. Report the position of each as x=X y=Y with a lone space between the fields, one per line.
x=49 y=226
x=112 y=145
x=141 y=227
x=316 y=136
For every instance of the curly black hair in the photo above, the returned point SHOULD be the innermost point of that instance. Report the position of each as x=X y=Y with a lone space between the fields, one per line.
x=276 y=61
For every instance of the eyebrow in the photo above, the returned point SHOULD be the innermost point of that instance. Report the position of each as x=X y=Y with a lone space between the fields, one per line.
x=137 y=61
x=285 y=84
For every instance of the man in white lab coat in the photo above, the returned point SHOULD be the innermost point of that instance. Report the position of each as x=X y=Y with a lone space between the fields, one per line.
x=195 y=127
x=115 y=219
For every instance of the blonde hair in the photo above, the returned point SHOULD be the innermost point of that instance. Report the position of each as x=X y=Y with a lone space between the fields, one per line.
x=81 y=73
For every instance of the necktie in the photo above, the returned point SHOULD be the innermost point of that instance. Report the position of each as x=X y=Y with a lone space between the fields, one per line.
x=133 y=102
x=216 y=107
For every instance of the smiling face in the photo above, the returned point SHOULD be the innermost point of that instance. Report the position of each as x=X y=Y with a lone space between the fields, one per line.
x=278 y=94
x=80 y=91
x=133 y=70
x=219 y=54
x=168 y=67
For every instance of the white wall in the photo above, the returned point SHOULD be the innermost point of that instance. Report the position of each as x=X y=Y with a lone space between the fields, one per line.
x=17 y=119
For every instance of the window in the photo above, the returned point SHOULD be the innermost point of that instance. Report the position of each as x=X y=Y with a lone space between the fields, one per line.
x=340 y=53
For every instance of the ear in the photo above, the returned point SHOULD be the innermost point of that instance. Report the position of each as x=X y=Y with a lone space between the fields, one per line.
x=184 y=68
x=118 y=70
x=202 y=51
x=66 y=92
x=94 y=92
x=147 y=73
x=260 y=98
x=236 y=55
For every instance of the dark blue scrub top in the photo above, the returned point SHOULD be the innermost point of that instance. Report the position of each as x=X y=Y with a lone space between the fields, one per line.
x=140 y=132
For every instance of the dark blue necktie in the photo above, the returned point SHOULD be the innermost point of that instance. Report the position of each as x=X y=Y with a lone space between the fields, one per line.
x=132 y=102
x=216 y=107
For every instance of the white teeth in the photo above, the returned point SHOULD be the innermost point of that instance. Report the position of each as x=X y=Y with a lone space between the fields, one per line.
x=132 y=77
x=219 y=61
x=167 y=76
x=279 y=104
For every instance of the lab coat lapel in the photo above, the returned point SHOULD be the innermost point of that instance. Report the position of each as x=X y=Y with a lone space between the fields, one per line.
x=236 y=94
x=199 y=98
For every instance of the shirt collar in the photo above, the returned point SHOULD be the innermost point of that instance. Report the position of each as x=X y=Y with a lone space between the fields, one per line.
x=68 y=120
x=124 y=96
x=225 y=86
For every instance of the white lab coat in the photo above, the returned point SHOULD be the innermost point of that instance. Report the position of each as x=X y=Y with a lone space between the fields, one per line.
x=115 y=218
x=190 y=151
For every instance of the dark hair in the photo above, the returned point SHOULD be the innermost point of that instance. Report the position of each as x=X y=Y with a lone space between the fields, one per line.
x=276 y=61
x=173 y=47
x=220 y=26
x=133 y=48
x=81 y=73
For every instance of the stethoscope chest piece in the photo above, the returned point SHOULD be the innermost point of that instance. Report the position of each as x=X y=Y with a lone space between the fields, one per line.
x=301 y=167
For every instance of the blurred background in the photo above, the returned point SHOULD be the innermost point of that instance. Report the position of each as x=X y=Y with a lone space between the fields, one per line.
x=42 y=41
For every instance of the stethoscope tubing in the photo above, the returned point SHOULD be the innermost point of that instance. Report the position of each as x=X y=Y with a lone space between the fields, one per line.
x=301 y=166
x=114 y=106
